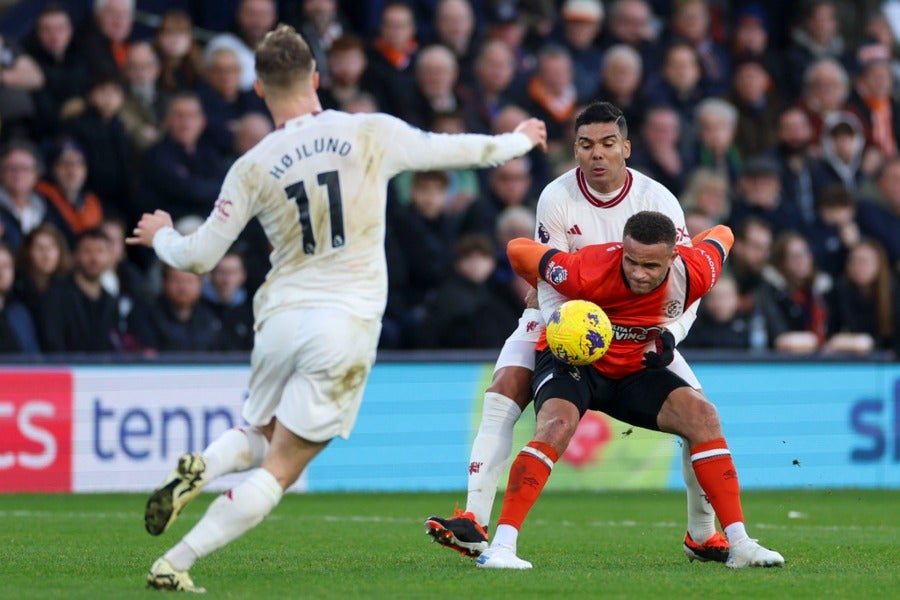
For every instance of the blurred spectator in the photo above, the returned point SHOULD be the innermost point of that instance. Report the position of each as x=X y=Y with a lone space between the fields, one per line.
x=66 y=74
x=182 y=173
x=817 y=37
x=799 y=290
x=223 y=100
x=717 y=126
x=505 y=121
x=178 y=320
x=436 y=76
x=142 y=107
x=103 y=40
x=494 y=73
x=620 y=83
x=826 y=88
x=424 y=234
x=834 y=232
x=21 y=208
x=253 y=20
x=551 y=92
x=843 y=144
x=759 y=195
x=513 y=222
x=690 y=22
x=20 y=75
x=748 y=257
x=507 y=24
x=249 y=130
x=179 y=53
x=581 y=22
x=721 y=323
x=508 y=186
x=865 y=303
x=321 y=26
x=801 y=174
x=17 y=332
x=454 y=28
x=123 y=279
x=363 y=102
x=750 y=42
x=879 y=29
x=76 y=313
x=755 y=97
x=678 y=85
x=101 y=133
x=707 y=192
x=223 y=291
x=696 y=221
x=657 y=151
x=630 y=22
x=465 y=184
x=880 y=218
x=71 y=207
x=42 y=259
x=347 y=64
x=465 y=311
x=392 y=58
x=872 y=98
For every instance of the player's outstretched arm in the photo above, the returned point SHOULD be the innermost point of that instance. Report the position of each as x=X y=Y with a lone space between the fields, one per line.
x=536 y=130
x=525 y=258
x=720 y=235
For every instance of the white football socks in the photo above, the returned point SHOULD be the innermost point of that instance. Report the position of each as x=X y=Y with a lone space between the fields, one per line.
x=232 y=514
x=701 y=516
x=490 y=453
x=237 y=449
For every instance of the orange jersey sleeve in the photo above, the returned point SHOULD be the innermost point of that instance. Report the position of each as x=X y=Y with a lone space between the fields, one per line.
x=525 y=258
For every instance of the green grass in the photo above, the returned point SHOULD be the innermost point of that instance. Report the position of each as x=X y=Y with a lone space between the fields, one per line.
x=583 y=545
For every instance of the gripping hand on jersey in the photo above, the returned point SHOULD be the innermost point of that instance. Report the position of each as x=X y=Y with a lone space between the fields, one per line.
x=664 y=354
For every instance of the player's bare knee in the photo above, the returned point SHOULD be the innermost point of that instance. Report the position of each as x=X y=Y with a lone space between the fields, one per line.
x=557 y=429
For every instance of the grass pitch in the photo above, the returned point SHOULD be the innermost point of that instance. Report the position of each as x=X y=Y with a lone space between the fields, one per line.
x=838 y=544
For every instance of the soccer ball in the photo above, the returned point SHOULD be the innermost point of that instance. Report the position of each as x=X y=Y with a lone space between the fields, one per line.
x=579 y=332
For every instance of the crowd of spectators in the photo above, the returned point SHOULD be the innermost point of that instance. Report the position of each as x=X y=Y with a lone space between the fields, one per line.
x=780 y=119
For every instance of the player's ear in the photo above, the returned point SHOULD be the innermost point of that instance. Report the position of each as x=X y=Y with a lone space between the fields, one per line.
x=258 y=88
x=315 y=80
x=626 y=146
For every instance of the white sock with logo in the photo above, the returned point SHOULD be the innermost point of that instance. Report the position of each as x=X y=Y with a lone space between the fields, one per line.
x=237 y=449
x=701 y=523
x=490 y=453
x=232 y=514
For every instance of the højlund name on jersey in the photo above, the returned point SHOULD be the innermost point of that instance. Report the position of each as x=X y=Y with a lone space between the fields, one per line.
x=307 y=149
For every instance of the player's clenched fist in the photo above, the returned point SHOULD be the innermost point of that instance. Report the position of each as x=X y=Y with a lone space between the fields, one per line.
x=142 y=235
x=536 y=130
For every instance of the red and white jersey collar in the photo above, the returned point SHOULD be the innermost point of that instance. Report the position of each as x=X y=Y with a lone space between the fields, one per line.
x=596 y=200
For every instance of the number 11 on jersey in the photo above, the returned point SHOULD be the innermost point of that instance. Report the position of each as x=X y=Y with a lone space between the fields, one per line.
x=297 y=193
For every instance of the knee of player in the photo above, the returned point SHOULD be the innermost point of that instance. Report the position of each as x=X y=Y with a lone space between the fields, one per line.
x=557 y=429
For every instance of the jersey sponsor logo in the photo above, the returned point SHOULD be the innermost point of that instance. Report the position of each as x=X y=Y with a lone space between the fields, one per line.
x=223 y=208
x=555 y=274
x=713 y=271
x=543 y=234
x=672 y=308
x=681 y=234
x=575 y=230
x=635 y=333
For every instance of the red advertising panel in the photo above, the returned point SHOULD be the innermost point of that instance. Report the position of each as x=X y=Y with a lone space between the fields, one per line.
x=35 y=431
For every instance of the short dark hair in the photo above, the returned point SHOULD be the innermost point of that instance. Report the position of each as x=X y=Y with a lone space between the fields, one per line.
x=836 y=196
x=602 y=112
x=650 y=227
x=473 y=243
x=440 y=177
x=94 y=233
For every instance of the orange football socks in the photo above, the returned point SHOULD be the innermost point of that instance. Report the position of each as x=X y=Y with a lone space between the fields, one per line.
x=527 y=476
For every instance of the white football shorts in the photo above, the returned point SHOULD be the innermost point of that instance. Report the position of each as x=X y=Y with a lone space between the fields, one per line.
x=518 y=349
x=309 y=368
x=680 y=367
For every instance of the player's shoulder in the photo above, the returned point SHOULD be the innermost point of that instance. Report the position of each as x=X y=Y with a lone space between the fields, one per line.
x=647 y=186
x=561 y=189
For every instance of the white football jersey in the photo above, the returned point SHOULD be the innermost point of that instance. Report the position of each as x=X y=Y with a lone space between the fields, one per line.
x=570 y=216
x=318 y=186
